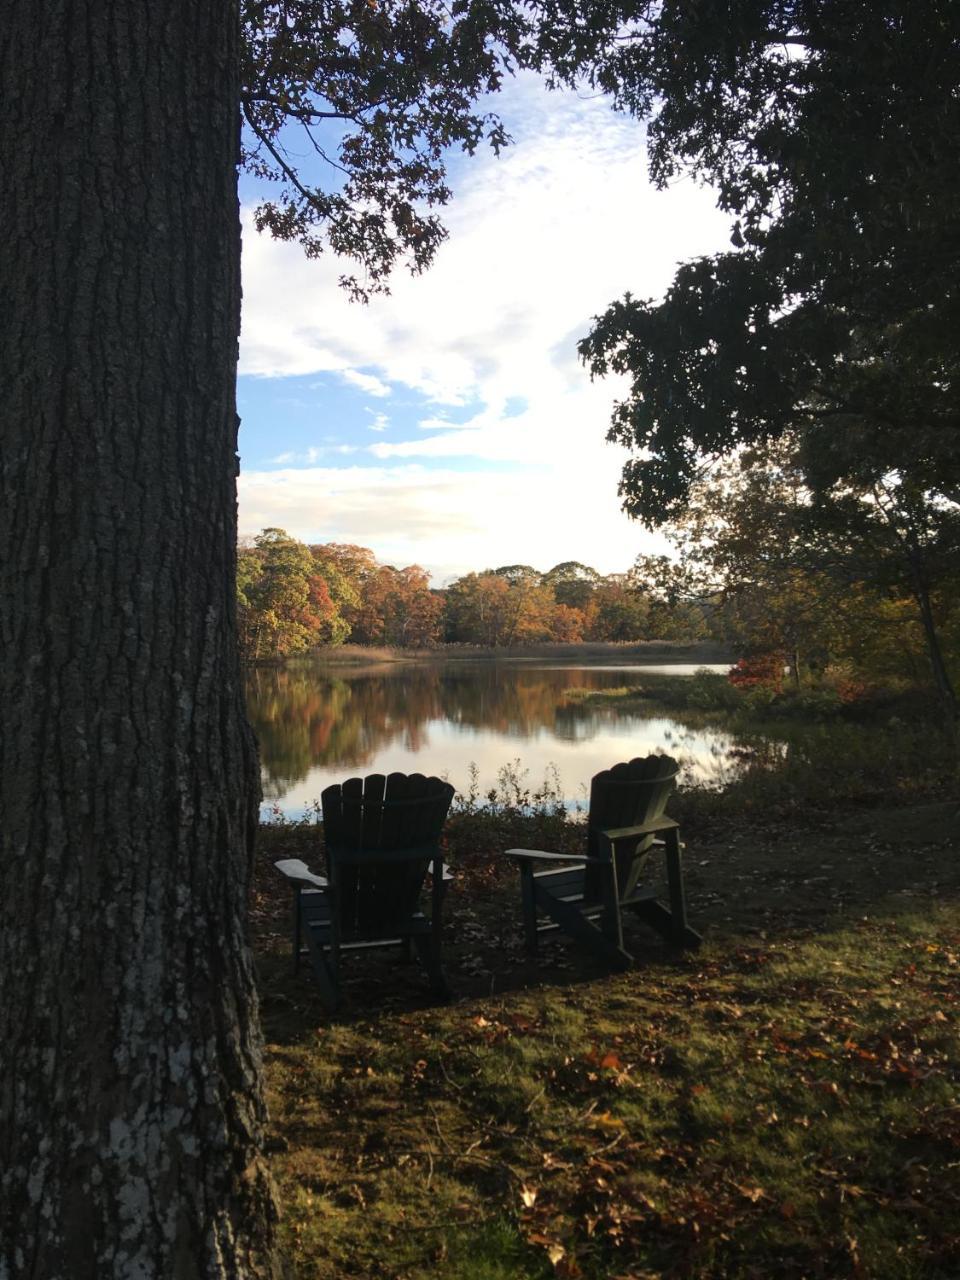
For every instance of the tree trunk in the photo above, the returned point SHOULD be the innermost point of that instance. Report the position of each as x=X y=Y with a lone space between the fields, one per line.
x=946 y=693
x=130 y=1102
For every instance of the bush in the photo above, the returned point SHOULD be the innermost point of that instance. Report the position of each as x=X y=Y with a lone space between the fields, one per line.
x=758 y=670
x=710 y=691
x=817 y=703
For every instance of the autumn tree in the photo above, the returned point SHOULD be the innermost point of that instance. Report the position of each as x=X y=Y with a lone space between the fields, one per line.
x=507 y=606
x=572 y=583
x=352 y=564
x=566 y=625
x=397 y=607
x=474 y=609
x=823 y=575
x=742 y=541
x=284 y=601
x=618 y=611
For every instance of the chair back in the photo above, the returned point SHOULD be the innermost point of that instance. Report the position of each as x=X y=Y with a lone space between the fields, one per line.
x=627 y=795
x=381 y=834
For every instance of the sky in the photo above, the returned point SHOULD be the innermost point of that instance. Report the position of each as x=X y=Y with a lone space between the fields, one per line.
x=451 y=424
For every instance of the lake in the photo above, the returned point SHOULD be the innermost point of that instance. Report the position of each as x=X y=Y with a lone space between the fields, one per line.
x=318 y=725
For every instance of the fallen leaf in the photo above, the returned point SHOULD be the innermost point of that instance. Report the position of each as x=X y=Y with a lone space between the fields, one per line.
x=753 y=1194
x=604 y=1120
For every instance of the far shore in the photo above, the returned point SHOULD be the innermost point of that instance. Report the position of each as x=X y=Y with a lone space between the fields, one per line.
x=634 y=653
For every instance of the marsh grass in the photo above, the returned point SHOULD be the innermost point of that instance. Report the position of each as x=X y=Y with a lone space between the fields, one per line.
x=801 y=751
x=639 y=651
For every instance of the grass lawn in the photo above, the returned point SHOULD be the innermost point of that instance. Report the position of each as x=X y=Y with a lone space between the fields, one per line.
x=782 y=1103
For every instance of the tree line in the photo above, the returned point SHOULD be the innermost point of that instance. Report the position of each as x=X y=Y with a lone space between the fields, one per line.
x=294 y=598
x=860 y=582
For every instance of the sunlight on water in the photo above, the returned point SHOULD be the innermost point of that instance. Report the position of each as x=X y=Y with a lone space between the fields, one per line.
x=316 y=727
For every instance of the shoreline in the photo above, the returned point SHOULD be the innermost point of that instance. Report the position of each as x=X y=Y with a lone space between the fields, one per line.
x=659 y=652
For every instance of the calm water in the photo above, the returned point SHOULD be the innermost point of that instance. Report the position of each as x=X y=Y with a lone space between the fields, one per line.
x=316 y=727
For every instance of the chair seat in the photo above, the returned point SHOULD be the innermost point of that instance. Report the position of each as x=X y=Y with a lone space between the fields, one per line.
x=567 y=884
x=316 y=916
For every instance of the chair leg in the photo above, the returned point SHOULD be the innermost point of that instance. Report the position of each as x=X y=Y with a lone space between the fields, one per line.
x=529 y=909
x=325 y=964
x=297 y=932
x=611 y=921
x=428 y=949
x=681 y=933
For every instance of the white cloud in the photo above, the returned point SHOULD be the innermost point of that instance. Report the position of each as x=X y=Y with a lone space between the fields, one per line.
x=540 y=241
x=365 y=382
x=380 y=422
x=448 y=522
x=312 y=455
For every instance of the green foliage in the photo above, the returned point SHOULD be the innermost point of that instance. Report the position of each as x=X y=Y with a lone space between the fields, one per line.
x=831 y=134
x=711 y=691
x=573 y=583
x=284 y=605
x=865 y=576
x=373 y=92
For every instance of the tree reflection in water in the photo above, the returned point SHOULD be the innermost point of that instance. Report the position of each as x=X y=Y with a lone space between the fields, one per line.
x=315 y=725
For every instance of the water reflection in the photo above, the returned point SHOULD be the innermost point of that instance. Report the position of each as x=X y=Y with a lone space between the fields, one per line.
x=316 y=727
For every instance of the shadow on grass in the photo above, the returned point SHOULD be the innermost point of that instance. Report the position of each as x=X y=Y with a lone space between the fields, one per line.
x=782 y=1102
x=760 y=883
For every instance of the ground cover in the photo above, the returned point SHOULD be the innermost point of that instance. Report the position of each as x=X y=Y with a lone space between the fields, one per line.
x=782 y=1102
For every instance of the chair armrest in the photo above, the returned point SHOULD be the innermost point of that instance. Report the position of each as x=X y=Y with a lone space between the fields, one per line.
x=540 y=855
x=614 y=834
x=299 y=874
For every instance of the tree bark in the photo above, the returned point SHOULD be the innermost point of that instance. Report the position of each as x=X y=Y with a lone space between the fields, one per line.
x=130 y=1097
x=946 y=694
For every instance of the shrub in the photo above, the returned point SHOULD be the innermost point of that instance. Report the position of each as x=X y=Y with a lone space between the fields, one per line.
x=758 y=670
x=710 y=691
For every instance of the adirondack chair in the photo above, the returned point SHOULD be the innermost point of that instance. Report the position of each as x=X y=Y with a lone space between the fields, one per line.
x=382 y=836
x=586 y=897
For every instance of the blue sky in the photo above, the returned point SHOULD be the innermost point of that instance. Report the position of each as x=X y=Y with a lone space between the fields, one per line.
x=451 y=424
